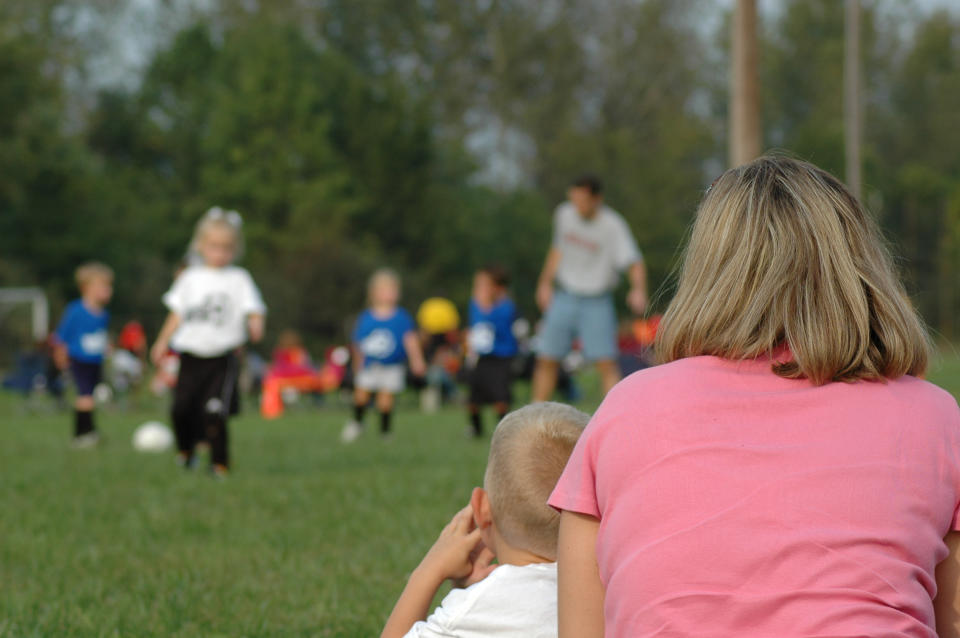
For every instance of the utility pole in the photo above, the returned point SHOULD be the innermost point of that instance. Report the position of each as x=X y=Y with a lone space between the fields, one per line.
x=744 y=86
x=852 y=124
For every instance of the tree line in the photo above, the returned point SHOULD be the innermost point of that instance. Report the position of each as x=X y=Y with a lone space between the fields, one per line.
x=436 y=137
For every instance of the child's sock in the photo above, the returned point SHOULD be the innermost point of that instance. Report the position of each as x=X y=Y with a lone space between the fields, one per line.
x=358 y=411
x=385 y=422
x=83 y=422
x=477 y=422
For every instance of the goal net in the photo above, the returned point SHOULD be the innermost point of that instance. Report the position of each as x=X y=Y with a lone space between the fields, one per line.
x=24 y=323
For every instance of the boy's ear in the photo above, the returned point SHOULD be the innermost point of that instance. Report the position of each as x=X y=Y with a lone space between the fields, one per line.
x=480 y=503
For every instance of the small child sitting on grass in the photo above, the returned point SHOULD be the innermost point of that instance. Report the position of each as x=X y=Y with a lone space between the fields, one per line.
x=508 y=519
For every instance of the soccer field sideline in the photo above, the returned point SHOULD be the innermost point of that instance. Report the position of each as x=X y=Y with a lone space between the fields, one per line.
x=307 y=537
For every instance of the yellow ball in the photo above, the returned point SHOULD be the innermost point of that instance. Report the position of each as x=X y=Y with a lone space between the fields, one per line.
x=438 y=316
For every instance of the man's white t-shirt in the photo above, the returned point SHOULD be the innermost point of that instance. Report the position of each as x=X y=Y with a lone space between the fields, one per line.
x=593 y=252
x=512 y=601
x=213 y=304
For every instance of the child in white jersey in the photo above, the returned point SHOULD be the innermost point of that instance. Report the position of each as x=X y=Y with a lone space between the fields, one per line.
x=508 y=519
x=214 y=307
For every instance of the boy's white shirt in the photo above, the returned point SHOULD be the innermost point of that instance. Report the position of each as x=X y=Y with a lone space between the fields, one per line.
x=213 y=305
x=512 y=601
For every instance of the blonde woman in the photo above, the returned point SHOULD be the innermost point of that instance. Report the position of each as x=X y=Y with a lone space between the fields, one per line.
x=786 y=472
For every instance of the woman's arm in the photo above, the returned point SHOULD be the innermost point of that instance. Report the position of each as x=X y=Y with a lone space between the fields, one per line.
x=579 y=589
x=947 y=603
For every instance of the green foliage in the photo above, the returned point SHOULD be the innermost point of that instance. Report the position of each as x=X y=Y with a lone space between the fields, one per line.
x=346 y=134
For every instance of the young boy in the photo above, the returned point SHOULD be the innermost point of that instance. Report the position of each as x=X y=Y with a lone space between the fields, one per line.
x=81 y=343
x=491 y=344
x=383 y=340
x=508 y=519
x=215 y=307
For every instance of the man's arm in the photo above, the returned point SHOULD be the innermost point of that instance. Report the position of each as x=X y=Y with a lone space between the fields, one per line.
x=947 y=603
x=637 y=297
x=579 y=588
x=547 y=275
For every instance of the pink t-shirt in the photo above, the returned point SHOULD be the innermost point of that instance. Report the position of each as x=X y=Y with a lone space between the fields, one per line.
x=733 y=502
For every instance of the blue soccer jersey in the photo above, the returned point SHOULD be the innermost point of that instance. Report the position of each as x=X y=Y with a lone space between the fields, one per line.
x=380 y=339
x=491 y=329
x=83 y=332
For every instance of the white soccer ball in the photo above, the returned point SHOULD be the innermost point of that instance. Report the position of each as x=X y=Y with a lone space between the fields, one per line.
x=152 y=436
x=103 y=393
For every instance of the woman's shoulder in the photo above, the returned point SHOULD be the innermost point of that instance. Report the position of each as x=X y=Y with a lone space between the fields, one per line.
x=680 y=372
x=921 y=395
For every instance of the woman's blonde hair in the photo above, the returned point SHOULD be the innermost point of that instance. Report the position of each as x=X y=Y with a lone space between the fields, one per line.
x=782 y=254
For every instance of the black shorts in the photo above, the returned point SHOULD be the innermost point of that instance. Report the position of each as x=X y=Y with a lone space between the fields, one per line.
x=491 y=380
x=86 y=376
x=204 y=383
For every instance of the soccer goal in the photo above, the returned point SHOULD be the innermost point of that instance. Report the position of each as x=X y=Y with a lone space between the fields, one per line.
x=24 y=322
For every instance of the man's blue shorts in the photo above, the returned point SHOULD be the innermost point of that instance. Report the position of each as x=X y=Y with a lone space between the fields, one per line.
x=591 y=318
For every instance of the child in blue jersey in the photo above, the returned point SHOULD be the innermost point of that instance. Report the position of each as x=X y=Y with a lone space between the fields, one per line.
x=491 y=345
x=384 y=339
x=81 y=343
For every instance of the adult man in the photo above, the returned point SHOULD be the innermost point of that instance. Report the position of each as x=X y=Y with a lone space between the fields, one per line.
x=592 y=245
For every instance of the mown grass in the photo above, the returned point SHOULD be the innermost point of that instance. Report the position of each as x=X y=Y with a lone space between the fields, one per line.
x=306 y=538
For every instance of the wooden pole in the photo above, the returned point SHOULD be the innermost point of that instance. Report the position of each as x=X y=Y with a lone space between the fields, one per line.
x=851 y=97
x=744 y=85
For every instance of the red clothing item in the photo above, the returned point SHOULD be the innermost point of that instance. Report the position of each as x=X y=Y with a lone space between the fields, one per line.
x=132 y=337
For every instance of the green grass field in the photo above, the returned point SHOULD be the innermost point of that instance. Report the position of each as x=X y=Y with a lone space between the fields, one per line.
x=307 y=537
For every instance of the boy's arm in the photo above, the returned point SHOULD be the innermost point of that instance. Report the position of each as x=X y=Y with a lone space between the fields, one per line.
x=413 y=605
x=61 y=358
x=411 y=343
x=452 y=556
x=255 y=326
x=947 y=603
x=162 y=344
x=579 y=589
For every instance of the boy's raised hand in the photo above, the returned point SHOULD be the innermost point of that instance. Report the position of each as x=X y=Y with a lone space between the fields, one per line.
x=458 y=552
x=482 y=558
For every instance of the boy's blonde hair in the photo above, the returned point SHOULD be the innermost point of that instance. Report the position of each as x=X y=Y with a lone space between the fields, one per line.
x=528 y=452
x=782 y=254
x=92 y=270
x=383 y=274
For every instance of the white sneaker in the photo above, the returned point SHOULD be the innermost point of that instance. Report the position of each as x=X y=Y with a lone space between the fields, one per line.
x=86 y=441
x=351 y=432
